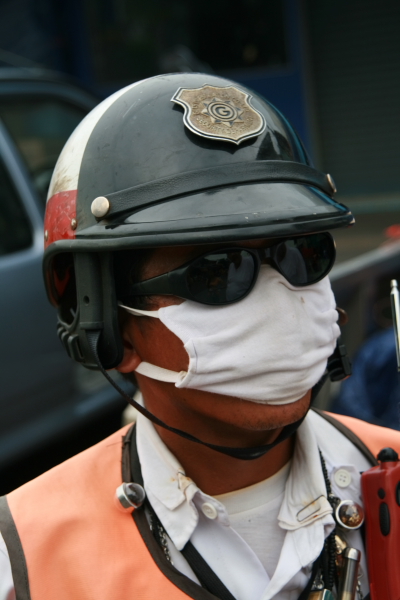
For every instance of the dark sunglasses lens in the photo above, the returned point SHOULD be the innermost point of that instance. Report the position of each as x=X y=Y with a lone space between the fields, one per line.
x=221 y=277
x=305 y=260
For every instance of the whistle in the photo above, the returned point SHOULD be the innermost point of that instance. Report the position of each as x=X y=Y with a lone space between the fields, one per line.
x=349 y=575
x=321 y=595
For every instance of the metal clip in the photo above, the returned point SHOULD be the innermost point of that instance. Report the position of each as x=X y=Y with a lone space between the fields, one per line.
x=339 y=365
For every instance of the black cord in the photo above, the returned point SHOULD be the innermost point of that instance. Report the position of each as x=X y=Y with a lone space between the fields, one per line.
x=93 y=337
x=329 y=555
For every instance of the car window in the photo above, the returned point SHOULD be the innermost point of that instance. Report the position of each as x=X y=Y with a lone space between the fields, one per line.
x=15 y=227
x=40 y=128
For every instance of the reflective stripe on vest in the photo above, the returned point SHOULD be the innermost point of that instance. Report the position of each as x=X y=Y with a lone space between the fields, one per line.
x=78 y=545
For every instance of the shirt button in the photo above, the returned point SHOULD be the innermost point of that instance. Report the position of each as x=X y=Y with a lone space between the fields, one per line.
x=342 y=478
x=209 y=510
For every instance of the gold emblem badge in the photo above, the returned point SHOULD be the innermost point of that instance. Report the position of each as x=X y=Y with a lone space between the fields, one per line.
x=220 y=113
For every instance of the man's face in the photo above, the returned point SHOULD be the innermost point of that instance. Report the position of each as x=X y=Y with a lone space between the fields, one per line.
x=148 y=339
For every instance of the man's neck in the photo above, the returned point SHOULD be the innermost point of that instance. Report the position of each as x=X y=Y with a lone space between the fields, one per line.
x=223 y=421
x=216 y=473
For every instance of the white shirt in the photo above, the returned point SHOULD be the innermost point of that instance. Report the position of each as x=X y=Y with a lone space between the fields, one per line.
x=303 y=515
x=253 y=514
x=6 y=581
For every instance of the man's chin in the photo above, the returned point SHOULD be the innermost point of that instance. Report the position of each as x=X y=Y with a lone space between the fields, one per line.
x=259 y=416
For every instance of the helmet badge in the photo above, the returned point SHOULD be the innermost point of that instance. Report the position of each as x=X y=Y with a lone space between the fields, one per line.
x=220 y=113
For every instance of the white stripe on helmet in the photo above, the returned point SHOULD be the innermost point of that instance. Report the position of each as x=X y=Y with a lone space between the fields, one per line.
x=66 y=173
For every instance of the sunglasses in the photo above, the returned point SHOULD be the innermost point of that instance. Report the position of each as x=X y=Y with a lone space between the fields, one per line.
x=225 y=276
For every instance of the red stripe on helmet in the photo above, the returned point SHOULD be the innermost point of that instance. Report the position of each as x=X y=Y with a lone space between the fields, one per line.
x=60 y=220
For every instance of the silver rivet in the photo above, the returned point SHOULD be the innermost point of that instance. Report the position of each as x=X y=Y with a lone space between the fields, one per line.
x=331 y=183
x=46 y=235
x=74 y=224
x=100 y=207
x=129 y=496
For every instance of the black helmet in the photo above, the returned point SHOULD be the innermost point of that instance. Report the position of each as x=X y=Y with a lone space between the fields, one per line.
x=175 y=159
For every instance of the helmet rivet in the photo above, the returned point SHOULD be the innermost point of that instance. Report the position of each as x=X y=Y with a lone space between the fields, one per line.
x=46 y=235
x=73 y=224
x=331 y=183
x=100 y=207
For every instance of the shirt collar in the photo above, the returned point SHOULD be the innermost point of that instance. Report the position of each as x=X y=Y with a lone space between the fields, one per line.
x=305 y=499
x=160 y=469
x=176 y=498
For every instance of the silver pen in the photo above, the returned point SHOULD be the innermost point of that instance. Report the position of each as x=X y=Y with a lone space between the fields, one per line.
x=395 y=300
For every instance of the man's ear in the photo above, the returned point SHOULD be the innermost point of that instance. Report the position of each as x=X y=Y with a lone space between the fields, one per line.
x=131 y=359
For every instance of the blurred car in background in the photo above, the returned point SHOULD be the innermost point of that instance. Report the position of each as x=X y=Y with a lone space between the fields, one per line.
x=44 y=396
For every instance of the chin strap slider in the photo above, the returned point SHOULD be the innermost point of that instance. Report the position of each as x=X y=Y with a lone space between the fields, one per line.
x=339 y=365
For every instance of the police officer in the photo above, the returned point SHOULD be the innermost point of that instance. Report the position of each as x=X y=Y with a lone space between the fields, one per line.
x=187 y=246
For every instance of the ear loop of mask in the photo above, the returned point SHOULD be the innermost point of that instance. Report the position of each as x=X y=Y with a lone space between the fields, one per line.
x=145 y=368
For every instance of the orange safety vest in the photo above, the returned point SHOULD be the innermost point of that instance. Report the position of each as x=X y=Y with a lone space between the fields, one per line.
x=67 y=540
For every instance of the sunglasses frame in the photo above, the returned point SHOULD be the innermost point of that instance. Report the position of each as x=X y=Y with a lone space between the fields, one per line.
x=174 y=283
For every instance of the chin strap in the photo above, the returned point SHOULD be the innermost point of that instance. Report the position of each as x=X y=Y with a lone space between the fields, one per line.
x=240 y=453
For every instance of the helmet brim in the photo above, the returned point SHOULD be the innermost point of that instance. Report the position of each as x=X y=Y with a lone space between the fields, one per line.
x=247 y=211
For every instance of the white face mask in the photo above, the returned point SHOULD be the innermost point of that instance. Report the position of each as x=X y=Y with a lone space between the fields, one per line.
x=271 y=347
